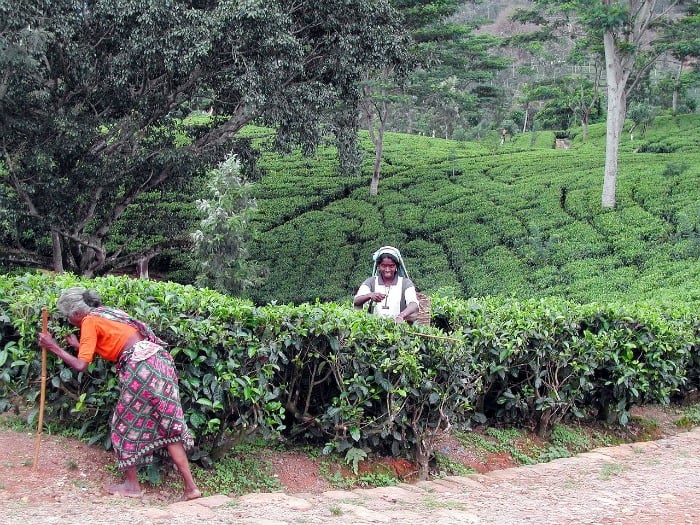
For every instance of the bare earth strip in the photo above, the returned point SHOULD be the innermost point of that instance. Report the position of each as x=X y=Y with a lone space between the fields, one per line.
x=655 y=482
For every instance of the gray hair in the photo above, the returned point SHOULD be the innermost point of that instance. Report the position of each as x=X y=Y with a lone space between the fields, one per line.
x=78 y=300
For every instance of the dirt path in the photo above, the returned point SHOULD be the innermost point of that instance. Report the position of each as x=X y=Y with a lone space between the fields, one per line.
x=654 y=482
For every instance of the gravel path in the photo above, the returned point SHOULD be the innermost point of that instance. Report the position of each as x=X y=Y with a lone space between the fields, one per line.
x=644 y=483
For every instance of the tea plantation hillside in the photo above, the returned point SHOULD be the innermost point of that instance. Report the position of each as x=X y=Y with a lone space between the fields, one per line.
x=474 y=219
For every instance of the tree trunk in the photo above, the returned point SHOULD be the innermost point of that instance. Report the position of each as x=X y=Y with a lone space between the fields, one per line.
x=92 y=257
x=543 y=428
x=57 y=252
x=674 y=102
x=378 y=153
x=586 y=109
x=615 y=122
x=142 y=266
x=422 y=455
x=374 y=185
x=676 y=89
x=618 y=70
x=377 y=136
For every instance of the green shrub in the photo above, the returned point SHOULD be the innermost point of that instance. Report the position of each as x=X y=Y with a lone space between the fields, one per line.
x=326 y=374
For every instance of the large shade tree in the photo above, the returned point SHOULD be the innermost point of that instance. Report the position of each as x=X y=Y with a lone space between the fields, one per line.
x=93 y=96
x=564 y=101
x=382 y=87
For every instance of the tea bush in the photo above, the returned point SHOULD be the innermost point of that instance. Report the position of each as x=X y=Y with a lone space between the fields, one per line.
x=325 y=373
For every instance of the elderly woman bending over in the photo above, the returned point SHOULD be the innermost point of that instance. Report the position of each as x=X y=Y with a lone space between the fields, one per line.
x=148 y=415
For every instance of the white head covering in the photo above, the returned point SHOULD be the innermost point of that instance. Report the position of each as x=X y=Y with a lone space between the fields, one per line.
x=395 y=253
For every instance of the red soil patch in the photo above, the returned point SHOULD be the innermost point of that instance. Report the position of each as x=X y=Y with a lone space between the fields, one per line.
x=68 y=466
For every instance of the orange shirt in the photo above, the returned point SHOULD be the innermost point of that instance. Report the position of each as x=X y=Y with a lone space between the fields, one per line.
x=103 y=337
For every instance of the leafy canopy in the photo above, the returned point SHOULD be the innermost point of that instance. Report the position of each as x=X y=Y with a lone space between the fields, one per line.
x=94 y=94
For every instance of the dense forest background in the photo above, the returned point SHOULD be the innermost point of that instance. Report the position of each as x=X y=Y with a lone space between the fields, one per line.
x=528 y=78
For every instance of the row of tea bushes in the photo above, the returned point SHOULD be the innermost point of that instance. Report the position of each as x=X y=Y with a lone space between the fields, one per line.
x=325 y=373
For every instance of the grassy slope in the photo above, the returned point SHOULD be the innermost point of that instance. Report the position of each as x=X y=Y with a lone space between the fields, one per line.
x=476 y=219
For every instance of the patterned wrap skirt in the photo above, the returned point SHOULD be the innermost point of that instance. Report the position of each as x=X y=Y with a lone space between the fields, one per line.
x=148 y=415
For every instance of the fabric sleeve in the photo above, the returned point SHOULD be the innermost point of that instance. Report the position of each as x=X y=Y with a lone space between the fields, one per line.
x=88 y=339
x=409 y=294
x=364 y=288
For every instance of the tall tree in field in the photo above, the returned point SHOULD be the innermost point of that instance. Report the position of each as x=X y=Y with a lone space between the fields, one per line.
x=382 y=86
x=94 y=95
x=585 y=90
x=682 y=41
x=584 y=95
x=627 y=30
x=455 y=90
x=563 y=101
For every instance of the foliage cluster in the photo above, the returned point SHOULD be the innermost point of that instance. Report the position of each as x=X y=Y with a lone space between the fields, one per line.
x=325 y=373
x=475 y=219
x=97 y=102
x=220 y=243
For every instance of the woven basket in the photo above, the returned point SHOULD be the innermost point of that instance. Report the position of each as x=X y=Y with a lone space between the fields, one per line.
x=423 y=316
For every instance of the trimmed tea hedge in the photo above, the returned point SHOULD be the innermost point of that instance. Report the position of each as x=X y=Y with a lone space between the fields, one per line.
x=328 y=374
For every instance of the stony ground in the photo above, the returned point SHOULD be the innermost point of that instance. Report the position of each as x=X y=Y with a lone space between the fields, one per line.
x=653 y=482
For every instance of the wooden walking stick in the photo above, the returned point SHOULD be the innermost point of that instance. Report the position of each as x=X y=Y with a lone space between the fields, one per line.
x=42 y=396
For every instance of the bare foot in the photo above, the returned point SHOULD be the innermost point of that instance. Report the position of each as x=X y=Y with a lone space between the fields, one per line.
x=191 y=494
x=124 y=489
